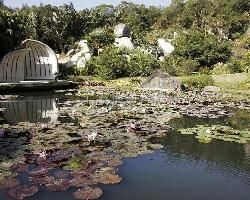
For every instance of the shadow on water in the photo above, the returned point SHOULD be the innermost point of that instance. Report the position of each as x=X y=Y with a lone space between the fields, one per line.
x=239 y=120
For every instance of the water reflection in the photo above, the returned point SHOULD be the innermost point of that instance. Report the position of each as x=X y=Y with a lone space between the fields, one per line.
x=36 y=109
x=238 y=120
x=186 y=169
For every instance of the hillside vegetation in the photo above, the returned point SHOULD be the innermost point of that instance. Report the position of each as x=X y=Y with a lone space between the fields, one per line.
x=210 y=36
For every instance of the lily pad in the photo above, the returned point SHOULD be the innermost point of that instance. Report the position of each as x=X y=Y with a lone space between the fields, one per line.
x=88 y=193
x=22 y=191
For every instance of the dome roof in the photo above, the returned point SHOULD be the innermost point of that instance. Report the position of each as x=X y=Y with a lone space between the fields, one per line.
x=34 y=61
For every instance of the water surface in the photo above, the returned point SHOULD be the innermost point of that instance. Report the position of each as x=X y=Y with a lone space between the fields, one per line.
x=183 y=169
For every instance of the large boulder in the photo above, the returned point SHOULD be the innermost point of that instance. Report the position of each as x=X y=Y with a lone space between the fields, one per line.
x=71 y=52
x=165 y=47
x=124 y=42
x=81 y=63
x=77 y=57
x=162 y=81
x=83 y=46
x=87 y=56
x=121 y=30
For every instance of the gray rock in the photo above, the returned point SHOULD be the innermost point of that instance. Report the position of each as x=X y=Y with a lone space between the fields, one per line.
x=76 y=57
x=81 y=63
x=87 y=56
x=165 y=47
x=71 y=52
x=211 y=89
x=83 y=46
x=63 y=60
x=121 y=30
x=124 y=42
x=162 y=81
x=70 y=63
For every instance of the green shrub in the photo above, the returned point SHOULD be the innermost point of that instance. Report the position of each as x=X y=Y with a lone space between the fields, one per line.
x=100 y=38
x=221 y=68
x=65 y=72
x=141 y=63
x=236 y=66
x=179 y=66
x=241 y=65
x=198 y=81
x=115 y=63
x=206 y=50
x=110 y=64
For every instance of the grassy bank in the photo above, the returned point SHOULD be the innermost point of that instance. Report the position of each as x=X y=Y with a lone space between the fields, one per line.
x=234 y=83
x=239 y=81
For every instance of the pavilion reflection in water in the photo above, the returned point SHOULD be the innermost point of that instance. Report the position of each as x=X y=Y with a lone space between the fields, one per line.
x=30 y=110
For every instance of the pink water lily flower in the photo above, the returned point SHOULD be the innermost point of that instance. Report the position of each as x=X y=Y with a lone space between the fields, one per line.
x=42 y=154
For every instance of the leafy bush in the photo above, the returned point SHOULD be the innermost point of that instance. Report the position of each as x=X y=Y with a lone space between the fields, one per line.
x=198 y=81
x=242 y=65
x=141 y=63
x=110 y=64
x=179 y=66
x=116 y=63
x=207 y=50
x=221 y=68
x=65 y=72
x=100 y=38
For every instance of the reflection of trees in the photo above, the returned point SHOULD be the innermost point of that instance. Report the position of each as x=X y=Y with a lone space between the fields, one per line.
x=30 y=110
x=189 y=122
x=240 y=120
x=231 y=158
x=13 y=145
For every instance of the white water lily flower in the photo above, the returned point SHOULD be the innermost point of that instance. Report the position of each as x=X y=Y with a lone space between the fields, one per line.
x=208 y=131
x=92 y=136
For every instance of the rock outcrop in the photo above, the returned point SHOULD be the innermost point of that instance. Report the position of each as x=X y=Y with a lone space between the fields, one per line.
x=123 y=39
x=121 y=30
x=162 y=81
x=124 y=42
x=165 y=46
x=77 y=57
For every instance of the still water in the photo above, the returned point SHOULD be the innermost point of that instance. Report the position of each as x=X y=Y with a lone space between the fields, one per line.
x=183 y=169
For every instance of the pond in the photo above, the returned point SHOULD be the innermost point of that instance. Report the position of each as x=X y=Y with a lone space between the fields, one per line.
x=183 y=168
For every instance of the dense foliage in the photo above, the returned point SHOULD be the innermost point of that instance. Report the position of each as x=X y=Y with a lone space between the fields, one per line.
x=208 y=32
x=115 y=63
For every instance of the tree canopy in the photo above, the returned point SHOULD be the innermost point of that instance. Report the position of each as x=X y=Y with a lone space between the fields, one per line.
x=206 y=28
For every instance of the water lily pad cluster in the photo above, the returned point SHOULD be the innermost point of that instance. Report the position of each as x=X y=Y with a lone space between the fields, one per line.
x=58 y=171
x=205 y=134
x=94 y=132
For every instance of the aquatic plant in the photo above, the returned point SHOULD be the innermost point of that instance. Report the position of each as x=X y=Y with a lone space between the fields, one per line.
x=206 y=134
x=92 y=136
x=58 y=185
x=22 y=191
x=9 y=183
x=88 y=193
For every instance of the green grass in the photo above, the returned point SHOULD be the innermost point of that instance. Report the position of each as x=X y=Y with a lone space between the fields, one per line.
x=232 y=83
x=239 y=81
x=197 y=81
